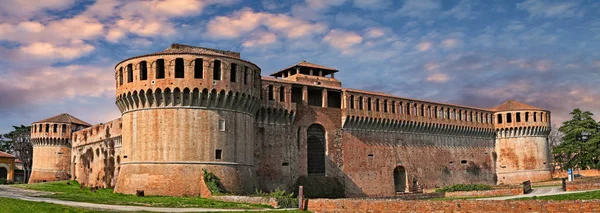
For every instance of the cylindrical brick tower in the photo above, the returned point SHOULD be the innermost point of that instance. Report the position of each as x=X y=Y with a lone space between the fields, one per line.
x=522 y=151
x=185 y=109
x=51 y=139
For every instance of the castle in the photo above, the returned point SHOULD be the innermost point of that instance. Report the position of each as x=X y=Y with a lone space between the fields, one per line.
x=189 y=108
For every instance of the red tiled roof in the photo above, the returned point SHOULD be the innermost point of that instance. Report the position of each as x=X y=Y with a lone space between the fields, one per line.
x=6 y=155
x=64 y=118
x=307 y=64
x=512 y=105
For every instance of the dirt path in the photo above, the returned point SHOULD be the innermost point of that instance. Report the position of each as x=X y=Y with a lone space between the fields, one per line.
x=30 y=195
x=541 y=191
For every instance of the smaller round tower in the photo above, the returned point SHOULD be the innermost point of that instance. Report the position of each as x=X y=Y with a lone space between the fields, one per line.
x=51 y=139
x=522 y=151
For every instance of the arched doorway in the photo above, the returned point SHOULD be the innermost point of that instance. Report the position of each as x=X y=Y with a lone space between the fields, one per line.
x=3 y=173
x=400 y=179
x=316 y=150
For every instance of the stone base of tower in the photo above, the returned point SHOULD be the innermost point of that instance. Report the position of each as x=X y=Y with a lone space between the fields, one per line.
x=38 y=176
x=518 y=177
x=183 y=178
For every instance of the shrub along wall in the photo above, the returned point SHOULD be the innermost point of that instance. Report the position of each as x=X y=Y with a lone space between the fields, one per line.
x=393 y=205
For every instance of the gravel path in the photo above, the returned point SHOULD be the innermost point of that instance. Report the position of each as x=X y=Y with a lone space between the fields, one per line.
x=30 y=195
x=540 y=191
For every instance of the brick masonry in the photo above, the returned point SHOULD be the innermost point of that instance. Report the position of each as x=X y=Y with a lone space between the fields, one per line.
x=358 y=205
x=252 y=132
x=487 y=193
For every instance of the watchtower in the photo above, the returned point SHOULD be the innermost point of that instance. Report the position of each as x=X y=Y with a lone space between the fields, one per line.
x=522 y=150
x=186 y=109
x=51 y=139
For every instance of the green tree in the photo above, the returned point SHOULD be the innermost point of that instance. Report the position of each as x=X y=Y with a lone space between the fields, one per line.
x=5 y=144
x=580 y=145
x=20 y=141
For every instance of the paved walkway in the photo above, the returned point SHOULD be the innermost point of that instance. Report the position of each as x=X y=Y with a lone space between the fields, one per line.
x=31 y=195
x=540 y=191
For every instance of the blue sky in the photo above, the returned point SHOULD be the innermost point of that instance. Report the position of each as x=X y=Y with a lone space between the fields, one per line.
x=58 y=55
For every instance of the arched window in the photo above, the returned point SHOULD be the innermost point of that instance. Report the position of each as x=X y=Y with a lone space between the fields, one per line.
x=385 y=106
x=414 y=110
x=129 y=73
x=55 y=128
x=499 y=118
x=64 y=128
x=179 y=70
x=160 y=69
x=246 y=75
x=121 y=76
x=47 y=128
x=352 y=102
x=400 y=108
x=315 y=150
x=282 y=94
x=393 y=106
x=369 y=104
x=360 y=103
x=198 y=68
x=143 y=70
x=408 y=109
x=535 y=117
x=233 y=73
x=377 y=104
x=518 y=117
x=271 y=95
x=508 y=118
x=400 y=179
x=526 y=116
x=217 y=70
x=422 y=110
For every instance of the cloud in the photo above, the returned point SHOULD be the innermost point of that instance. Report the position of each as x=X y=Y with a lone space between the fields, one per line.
x=450 y=43
x=438 y=78
x=537 y=65
x=424 y=46
x=27 y=8
x=463 y=10
x=323 y=4
x=374 y=33
x=44 y=50
x=54 y=31
x=550 y=9
x=418 y=8
x=342 y=40
x=246 y=20
x=372 y=4
x=260 y=39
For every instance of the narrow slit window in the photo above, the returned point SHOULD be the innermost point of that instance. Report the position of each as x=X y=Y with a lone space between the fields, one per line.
x=369 y=104
x=246 y=75
x=361 y=103
x=352 y=102
x=377 y=104
x=198 y=68
x=527 y=117
x=64 y=128
x=271 y=95
x=47 y=128
x=385 y=106
x=217 y=70
x=282 y=94
x=143 y=70
x=393 y=106
x=129 y=73
x=179 y=70
x=121 y=76
x=55 y=128
x=518 y=117
x=160 y=69
x=233 y=73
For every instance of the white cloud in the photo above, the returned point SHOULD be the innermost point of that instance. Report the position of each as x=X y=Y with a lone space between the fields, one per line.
x=372 y=4
x=463 y=10
x=342 y=40
x=29 y=8
x=73 y=49
x=260 y=39
x=560 y=9
x=246 y=20
x=450 y=43
x=323 y=4
x=59 y=31
x=537 y=65
x=438 y=78
x=374 y=33
x=424 y=46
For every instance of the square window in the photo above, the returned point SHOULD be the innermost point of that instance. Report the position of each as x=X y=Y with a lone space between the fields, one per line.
x=218 y=154
x=463 y=162
x=221 y=125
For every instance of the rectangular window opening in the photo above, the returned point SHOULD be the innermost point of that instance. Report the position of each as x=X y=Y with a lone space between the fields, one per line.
x=296 y=95
x=221 y=125
x=233 y=73
x=270 y=93
x=129 y=73
x=179 y=68
x=217 y=70
x=246 y=75
x=463 y=162
x=160 y=69
x=334 y=99
x=198 y=68
x=218 y=154
x=143 y=70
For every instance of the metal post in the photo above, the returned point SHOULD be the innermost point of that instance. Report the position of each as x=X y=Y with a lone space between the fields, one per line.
x=301 y=198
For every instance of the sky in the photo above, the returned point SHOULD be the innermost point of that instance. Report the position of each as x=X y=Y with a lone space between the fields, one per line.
x=58 y=56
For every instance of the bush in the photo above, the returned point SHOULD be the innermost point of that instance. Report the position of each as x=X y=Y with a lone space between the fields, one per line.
x=3 y=181
x=284 y=200
x=464 y=187
x=213 y=182
x=320 y=187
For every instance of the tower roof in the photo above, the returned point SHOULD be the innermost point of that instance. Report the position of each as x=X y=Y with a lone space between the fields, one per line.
x=512 y=105
x=303 y=63
x=64 y=118
x=182 y=48
x=6 y=155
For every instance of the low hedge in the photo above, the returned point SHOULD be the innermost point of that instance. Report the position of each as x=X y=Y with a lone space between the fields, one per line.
x=464 y=187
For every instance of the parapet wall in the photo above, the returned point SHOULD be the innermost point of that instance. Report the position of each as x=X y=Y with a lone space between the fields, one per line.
x=96 y=154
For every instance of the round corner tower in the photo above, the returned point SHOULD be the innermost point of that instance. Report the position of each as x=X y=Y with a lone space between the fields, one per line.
x=51 y=140
x=186 y=109
x=522 y=151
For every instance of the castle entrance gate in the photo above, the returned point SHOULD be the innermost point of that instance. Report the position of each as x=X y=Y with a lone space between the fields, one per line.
x=400 y=179
x=316 y=150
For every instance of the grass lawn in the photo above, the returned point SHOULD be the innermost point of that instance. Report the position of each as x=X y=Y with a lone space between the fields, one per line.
x=72 y=192
x=593 y=195
x=13 y=205
x=8 y=205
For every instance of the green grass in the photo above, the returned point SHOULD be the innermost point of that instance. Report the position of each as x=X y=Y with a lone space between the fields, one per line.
x=8 y=205
x=72 y=192
x=17 y=206
x=593 y=195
